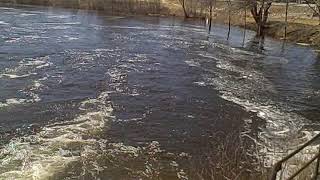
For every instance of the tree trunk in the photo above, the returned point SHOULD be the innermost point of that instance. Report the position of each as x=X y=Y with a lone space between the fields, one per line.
x=254 y=12
x=210 y=17
x=261 y=16
x=245 y=25
x=229 y=19
x=266 y=13
x=318 y=8
x=183 y=3
x=286 y=20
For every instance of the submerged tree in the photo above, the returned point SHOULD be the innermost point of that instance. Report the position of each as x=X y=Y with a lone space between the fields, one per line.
x=229 y=18
x=184 y=8
x=210 y=14
x=260 y=13
x=259 y=10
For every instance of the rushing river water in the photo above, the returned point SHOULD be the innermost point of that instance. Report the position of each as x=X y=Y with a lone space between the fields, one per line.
x=91 y=96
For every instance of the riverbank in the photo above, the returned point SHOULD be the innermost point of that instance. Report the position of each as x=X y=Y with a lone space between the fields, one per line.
x=301 y=29
x=303 y=34
x=298 y=33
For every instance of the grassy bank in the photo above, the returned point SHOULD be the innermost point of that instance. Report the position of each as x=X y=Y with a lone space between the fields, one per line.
x=296 y=32
x=302 y=28
x=300 y=33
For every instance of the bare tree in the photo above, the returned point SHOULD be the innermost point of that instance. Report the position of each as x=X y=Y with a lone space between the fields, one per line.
x=194 y=8
x=286 y=20
x=260 y=13
x=184 y=8
x=315 y=8
x=210 y=14
x=229 y=18
x=245 y=23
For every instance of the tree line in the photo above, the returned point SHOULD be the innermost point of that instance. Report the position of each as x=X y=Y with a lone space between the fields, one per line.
x=259 y=10
x=108 y=6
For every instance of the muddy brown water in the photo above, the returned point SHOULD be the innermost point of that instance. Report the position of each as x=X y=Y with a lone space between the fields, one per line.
x=89 y=96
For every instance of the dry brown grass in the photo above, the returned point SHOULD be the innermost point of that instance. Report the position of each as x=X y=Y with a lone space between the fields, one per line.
x=296 y=13
x=228 y=156
x=302 y=28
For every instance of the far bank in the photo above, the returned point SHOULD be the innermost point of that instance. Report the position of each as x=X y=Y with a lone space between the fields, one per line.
x=301 y=28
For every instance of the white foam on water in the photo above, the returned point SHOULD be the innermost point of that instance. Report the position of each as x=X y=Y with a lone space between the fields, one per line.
x=14 y=76
x=138 y=58
x=245 y=86
x=61 y=27
x=19 y=101
x=59 y=16
x=70 y=38
x=36 y=85
x=104 y=50
x=12 y=101
x=245 y=52
x=26 y=14
x=48 y=152
x=61 y=23
x=13 y=40
x=3 y=23
x=29 y=65
x=47 y=64
x=38 y=63
x=7 y=8
x=200 y=83
x=278 y=124
x=283 y=131
x=32 y=37
x=26 y=65
x=25 y=38
x=15 y=101
x=128 y=27
x=34 y=97
x=193 y=63
x=207 y=56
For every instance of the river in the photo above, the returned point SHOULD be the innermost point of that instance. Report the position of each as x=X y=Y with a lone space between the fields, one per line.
x=84 y=95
